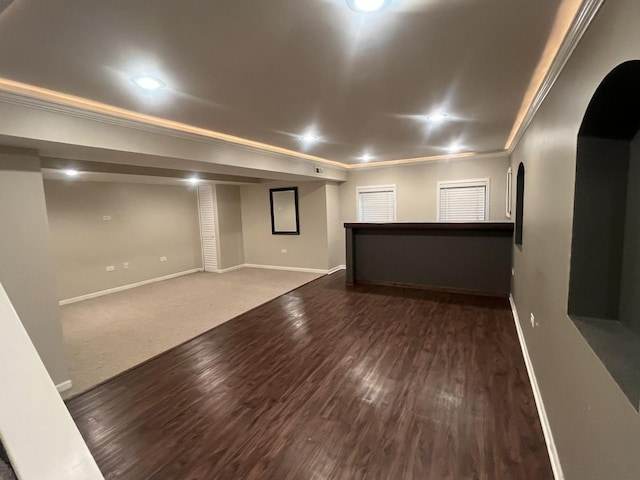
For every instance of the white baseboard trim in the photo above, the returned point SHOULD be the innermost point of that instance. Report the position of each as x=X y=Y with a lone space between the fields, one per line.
x=230 y=269
x=64 y=386
x=290 y=269
x=126 y=287
x=542 y=413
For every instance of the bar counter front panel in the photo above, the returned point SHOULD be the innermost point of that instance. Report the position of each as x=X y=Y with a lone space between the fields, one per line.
x=464 y=257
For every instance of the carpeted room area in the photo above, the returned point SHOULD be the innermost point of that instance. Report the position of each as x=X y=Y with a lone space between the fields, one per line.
x=107 y=335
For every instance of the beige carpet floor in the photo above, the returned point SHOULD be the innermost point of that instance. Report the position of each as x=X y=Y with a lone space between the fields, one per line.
x=107 y=335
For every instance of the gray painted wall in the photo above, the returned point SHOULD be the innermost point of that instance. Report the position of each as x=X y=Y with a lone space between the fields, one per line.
x=147 y=222
x=630 y=287
x=598 y=228
x=596 y=429
x=230 y=238
x=26 y=259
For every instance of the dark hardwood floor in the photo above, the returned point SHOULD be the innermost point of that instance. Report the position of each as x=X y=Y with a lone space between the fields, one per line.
x=329 y=382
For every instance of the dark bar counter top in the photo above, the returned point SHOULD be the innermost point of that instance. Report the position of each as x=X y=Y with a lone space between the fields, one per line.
x=457 y=257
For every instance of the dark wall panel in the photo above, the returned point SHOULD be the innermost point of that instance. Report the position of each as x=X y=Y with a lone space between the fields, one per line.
x=457 y=260
x=598 y=227
x=630 y=285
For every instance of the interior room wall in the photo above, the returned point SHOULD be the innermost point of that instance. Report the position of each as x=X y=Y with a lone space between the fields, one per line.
x=307 y=250
x=26 y=260
x=335 y=228
x=417 y=186
x=630 y=284
x=230 y=239
x=596 y=429
x=145 y=222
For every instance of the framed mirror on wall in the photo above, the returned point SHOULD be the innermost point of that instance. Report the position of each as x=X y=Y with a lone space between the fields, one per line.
x=284 y=211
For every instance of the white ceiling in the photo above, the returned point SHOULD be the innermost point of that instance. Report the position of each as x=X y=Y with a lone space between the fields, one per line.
x=270 y=70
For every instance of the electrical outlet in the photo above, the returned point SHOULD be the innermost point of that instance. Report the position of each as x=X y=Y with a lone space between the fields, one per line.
x=125 y=265
x=163 y=259
x=110 y=268
x=533 y=320
x=106 y=218
x=284 y=250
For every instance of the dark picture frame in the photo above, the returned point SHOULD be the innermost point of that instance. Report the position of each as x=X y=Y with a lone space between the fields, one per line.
x=284 y=211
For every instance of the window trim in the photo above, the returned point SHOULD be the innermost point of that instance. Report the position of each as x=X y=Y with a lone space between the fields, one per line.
x=473 y=182
x=376 y=188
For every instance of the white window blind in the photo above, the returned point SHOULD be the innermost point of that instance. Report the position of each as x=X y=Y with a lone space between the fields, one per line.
x=462 y=201
x=377 y=204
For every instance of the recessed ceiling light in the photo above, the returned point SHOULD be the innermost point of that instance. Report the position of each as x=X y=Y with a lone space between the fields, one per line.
x=366 y=157
x=367 y=6
x=148 y=83
x=436 y=117
x=454 y=148
x=309 y=138
x=193 y=180
x=71 y=173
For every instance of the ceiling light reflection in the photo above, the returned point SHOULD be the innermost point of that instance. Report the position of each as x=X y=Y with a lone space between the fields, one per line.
x=367 y=6
x=372 y=384
x=148 y=83
x=297 y=319
x=452 y=399
x=436 y=117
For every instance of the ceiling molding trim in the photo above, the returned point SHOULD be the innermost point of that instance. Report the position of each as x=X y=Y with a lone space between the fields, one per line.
x=43 y=99
x=21 y=94
x=434 y=158
x=581 y=22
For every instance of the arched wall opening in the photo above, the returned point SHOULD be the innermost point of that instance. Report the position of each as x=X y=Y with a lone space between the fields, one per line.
x=604 y=286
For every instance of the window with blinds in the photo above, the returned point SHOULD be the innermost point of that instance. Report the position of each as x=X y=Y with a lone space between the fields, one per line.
x=377 y=204
x=464 y=201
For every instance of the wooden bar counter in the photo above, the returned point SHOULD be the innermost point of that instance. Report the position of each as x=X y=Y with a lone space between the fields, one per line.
x=457 y=257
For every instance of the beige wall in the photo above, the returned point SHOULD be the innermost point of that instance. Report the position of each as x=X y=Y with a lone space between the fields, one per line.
x=597 y=430
x=147 y=222
x=335 y=228
x=324 y=207
x=230 y=241
x=417 y=186
x=307 y=250
x=26 y=261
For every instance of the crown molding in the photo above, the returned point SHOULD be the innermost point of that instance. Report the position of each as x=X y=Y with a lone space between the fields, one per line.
x=25 y=95
x=38 y=98
x=408 y=162
x=585 y=15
